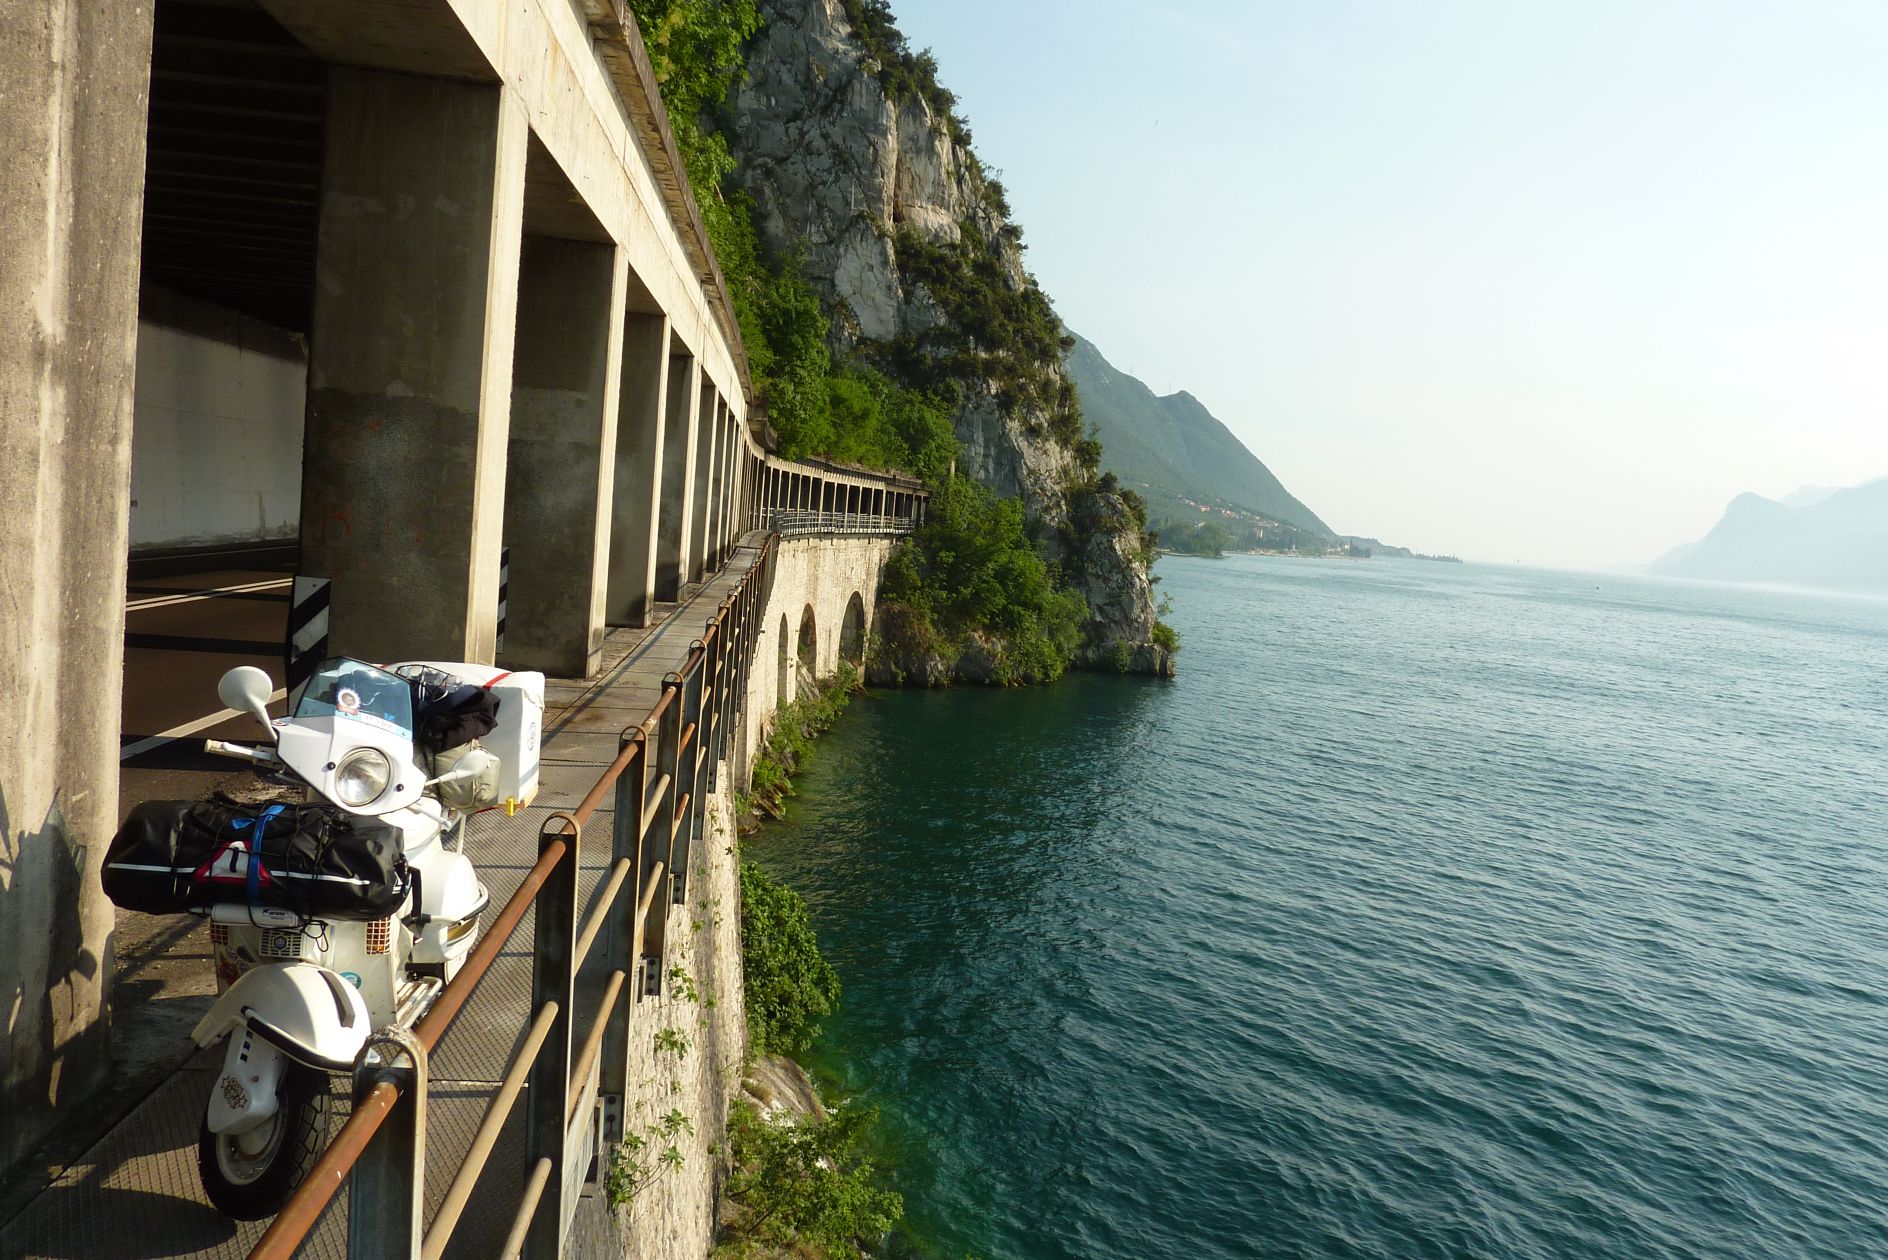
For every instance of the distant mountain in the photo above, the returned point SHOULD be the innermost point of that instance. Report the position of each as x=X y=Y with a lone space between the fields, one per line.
x=1809 y=496
x=1174 y=444
x=1837 y=541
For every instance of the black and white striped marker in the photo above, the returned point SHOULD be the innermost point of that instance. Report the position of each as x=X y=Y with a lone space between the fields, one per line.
x=504 y=584
x=307 y=643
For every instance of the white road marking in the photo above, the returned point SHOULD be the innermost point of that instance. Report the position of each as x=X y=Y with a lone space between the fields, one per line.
x=188 y=597
x=188 y=728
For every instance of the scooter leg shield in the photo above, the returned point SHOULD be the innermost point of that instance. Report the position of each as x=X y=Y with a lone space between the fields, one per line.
x=307 y=1012
x=246 y=1093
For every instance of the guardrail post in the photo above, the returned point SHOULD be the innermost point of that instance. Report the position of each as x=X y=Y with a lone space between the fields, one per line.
x=553 y=979
x=737 y=683
x=655 y=842
x=727 y=689
x=387 y=1187
x=690 y=778
x=620 y=934
x=717 y=674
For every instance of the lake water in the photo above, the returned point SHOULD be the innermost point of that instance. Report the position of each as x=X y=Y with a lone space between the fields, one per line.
x=1433 y=911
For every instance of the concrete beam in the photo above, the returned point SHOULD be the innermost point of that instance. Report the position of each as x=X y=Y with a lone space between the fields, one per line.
x=410 y=362
x=548 y=55
x=72 y=120
x=416 y=36
x=558 y=481
x=636 y=516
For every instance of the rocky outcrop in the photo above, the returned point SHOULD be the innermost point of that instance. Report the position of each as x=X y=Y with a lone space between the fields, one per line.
x=1108 y=560
x=875 y=195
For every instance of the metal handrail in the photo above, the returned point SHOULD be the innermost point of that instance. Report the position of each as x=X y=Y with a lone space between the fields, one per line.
x=798 y=522
x=637 y=948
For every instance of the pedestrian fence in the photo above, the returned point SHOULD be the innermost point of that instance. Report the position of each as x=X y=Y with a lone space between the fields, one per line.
x=573 y=1087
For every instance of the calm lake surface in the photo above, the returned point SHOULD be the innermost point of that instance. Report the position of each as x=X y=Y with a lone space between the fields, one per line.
x=1433 y=911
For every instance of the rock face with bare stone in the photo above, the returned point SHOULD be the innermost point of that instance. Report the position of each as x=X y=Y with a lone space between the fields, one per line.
x=839 y=170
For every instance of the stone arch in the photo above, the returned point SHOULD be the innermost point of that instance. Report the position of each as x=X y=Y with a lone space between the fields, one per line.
x=809 y=643
x=852 y=631
x=784 y=693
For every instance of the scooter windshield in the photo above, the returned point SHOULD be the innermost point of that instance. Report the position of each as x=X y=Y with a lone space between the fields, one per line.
x=357 y=691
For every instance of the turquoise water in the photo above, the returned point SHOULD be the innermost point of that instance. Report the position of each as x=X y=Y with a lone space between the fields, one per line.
x=1434 y=911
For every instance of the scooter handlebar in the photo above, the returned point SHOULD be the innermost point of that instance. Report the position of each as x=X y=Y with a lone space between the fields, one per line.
x=241 y=752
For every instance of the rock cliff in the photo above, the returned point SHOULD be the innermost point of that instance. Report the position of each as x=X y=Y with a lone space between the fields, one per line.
x=859 y=170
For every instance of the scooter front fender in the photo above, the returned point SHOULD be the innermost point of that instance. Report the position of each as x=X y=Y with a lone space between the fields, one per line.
x=245 y=1093
x=307 y=1012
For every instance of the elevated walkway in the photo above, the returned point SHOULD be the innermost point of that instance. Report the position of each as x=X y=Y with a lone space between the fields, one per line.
x=134 y=1191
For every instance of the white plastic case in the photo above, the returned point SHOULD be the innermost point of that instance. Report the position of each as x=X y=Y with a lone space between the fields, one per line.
x=520 y=724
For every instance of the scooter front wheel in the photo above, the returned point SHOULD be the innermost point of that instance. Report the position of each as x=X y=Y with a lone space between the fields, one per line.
x=250 y=1175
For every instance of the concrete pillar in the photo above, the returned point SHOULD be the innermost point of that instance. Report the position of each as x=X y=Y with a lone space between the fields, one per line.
x=637 y=511
x=410 y=362
x=730 y=484
x=674 y=555
x=724 y=500
x=561 y=465
x=700 y=535
x=718 y=485
x=72 y=121
x=731 y=475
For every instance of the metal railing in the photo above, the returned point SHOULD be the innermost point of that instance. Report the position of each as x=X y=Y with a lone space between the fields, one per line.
x=798 y=522
x=662 y=777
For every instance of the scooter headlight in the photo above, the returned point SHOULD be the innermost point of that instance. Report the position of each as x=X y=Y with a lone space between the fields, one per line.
x=361 y=776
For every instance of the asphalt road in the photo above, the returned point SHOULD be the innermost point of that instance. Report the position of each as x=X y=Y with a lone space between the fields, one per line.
x=182 y=632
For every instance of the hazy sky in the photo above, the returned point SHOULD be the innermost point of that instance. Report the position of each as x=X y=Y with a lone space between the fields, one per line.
x=1509 y=278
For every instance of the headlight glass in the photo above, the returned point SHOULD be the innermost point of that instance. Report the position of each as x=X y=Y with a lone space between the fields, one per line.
x=361 y=776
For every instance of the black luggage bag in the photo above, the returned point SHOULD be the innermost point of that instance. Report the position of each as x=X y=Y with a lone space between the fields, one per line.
x=175 y=857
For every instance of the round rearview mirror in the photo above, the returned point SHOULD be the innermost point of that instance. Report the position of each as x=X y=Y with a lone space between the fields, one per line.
x=246 y=689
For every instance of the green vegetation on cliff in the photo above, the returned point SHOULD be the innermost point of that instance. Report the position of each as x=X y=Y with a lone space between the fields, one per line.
x=972 y=580
x=846 y=411
x=993 y=331
x=973 y=569
x=804 y=1187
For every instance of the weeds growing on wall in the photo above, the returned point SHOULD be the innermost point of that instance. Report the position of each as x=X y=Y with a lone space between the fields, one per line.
x=789 y=986
x=796 y=726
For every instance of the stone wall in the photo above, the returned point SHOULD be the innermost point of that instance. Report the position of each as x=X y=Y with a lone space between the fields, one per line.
x=822 y=574
x=672 y=1216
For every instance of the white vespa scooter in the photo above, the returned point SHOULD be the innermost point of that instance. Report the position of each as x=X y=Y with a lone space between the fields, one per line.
x=300 y=995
